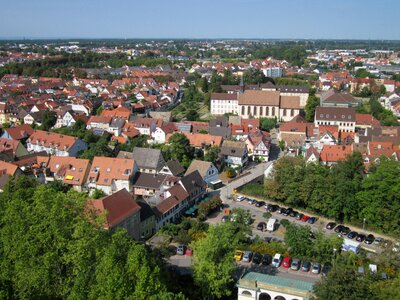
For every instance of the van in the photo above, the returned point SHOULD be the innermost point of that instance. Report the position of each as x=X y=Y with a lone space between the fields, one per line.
x=277 y=260
x=271 y=225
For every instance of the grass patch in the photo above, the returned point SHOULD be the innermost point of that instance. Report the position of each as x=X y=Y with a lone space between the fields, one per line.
x=253 y=189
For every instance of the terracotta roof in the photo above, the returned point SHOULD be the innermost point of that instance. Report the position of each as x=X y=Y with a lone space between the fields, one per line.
x=121 y=112
x=106 y=169
x=7 y=168
x=117 y=207
x=178 y=195
x=19 y=132
x=7 y=145
x=333 y=96
x=380 y=148
x=333 y=130
x=334 y=153
x=199 y=139
x=52 y=140
x=290 y=102
x=366 y=119
x=73 y=170
x=256 y=97
x=100 y=119
x=293 y=127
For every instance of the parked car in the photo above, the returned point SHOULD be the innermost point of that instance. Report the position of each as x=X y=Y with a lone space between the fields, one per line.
x=360 y=237
x=251 y=201
x=272 y=207
x=369 y=239
x=316 y=268
x=240 y=198
x=339 y=229
x=247 y=256
x=261 y=226
x=277 y=260
x=305 y=218
x=326 y=268
x=352 y=234
x=180 y=250
x=257 y=257
x=299 y=216
x=293 y=214
x=266 y=259
x=345 y=231
x=260 y=203
x=330 y=225
x=189 y=251
x=305 y=267
x=312 y=220
x=280 y=210
x=238 y=255
x=378 y=241
x=295 y=264
x=286 y=262
x=288 y=211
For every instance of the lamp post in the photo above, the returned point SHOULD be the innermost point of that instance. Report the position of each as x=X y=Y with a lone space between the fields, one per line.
x=364 y=224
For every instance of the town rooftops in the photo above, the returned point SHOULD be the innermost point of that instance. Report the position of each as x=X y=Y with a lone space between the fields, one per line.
x=334 y=153
x=333 y=97
x=193 y=181
x=175 y=167
x=224 y=96
x=7 y=168
x=340 y=114
x=116 y=207
x=151 y=181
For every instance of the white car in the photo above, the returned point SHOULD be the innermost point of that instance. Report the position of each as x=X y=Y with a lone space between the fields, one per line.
x=277 y=260
x=240 y=198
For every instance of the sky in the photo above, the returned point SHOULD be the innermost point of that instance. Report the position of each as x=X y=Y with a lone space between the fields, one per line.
x=284 y=19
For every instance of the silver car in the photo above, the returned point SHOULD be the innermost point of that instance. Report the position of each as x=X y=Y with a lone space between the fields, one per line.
x=295 y=264
x=316 y=268
x=180 y=250
x=247 y=255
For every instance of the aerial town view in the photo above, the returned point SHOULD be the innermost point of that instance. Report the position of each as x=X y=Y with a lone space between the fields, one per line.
x=233 y=150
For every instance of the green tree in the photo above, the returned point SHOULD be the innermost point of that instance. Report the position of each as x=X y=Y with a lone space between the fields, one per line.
x=49 y=120
x=99 y=110
x=311 y=105
x=204 y=85
x=213 y=263
x=343 y=283
x=268 y=123
x=192 y=115
x=297 y=238
x=180 y=149
x=212 y=154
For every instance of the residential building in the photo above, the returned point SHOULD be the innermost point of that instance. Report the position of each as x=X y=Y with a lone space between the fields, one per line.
x=344 y=117
x=148 y=185
x=273 y=72
x=111 y=174
x=224 y=103
x=258 y=144
x=194 y=184
x=173 y=167
x=18 y=133
x=11 y=149
x=69 y=170
x=147 y=220
x=333 y=98
x=206 y=169
x=331 y=154
x=120 y=210
x=6 y=171
x=234 y=153
x=55 y=144
x=148 y=160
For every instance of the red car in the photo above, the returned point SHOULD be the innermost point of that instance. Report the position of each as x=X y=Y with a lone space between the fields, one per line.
x=286 y=262
x=189 y=251
x=305 y=218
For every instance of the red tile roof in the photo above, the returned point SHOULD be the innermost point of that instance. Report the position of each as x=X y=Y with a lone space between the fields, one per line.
x=117 y=207
x=52 y=140
x=334 y=153
x=106 y=169
x=20 y=132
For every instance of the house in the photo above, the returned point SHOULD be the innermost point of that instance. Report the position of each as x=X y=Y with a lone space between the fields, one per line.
x=200 y=140
x=258 y=144
x=18 y=133
x=331 y=154
x=11 y=149
x=194 y=184
x=295 y=132
x=344 y=117
x=69 y=170
x=6 y=171
x=120 y=210
x=160 y=133
x=111 y=174
x=206 y=169
x=55 y=144
x=34 y=118
x=173 y=167
x=234 y=153
x=172 y=207
x=312 y=155
x=4 y=112
x=148 y=160
x=333 y=98
x=147 y=125
x=147 y=220
x=364 y=121
x=148 y=185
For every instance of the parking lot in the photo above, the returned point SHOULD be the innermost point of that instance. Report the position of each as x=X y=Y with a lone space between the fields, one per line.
x=319 y=225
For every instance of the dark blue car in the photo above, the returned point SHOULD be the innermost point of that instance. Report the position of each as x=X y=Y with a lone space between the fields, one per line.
x=312 y=220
